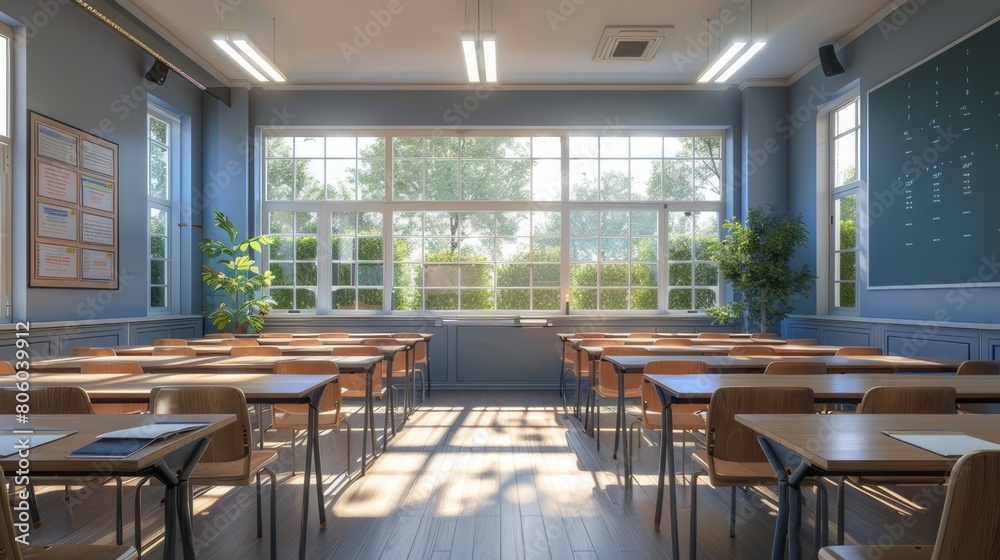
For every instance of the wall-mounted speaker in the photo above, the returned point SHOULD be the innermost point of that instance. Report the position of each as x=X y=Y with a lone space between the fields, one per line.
x=831 y=66
x=158 y=72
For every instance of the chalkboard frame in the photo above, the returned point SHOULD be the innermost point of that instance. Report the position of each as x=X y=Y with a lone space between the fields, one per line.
x=868 y=188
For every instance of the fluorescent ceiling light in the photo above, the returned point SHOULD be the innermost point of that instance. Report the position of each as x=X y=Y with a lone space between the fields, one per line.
x=741 y=61
x=490 y=56
x=228 y=49
x=254 y=54
x=722 y=61
x=469 y=49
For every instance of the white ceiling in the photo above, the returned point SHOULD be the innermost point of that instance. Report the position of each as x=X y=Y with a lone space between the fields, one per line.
x=539 y=42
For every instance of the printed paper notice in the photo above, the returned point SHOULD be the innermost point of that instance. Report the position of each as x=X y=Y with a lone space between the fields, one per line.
x=56 y=261
x=56 y=222
x=98 y=194
x=98 y=265
x=56 y=145
x=98 y=230
x=56 y=182
x=97 y=158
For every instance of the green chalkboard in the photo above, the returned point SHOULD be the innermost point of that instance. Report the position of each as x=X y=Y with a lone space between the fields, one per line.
x=934 y=169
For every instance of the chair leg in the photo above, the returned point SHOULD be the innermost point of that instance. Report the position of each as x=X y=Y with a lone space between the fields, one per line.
x=293 y=452
x=562 y=377
x=36 y=518
x=274 y=514
x=597 y=420
x=260 y=521
x=840 y=510
x=119 y=514
x=349 y=449
x=138 y=517
x=693 y=536
x=732 y=512
x=66 y=494
x=684 y=442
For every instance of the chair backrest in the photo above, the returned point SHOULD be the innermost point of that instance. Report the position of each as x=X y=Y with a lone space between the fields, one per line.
x=978 y=367
x=331 y=396
x=795 y=368
x=908 y=400
x=7 y=368
x=8 y=535
x=95 y=351
x=220 y=335
x=672 y=342
x=48 y=400
x=241 y=342
x=729 y=440
x=650 y=401
x=801 y=341
x=230 y=443
x=970 y=521
x=643 y=335
x=763 y=335
x=174 y=351
x=276 y=335
x=333 y=335
x=304 y=342
x=713 y=335
x=752 y=350
x=859 y=351
x=588 y=335
x=419 y=348
x=357 y=381
x=132 y=368
x=606 y=376
x=169 y=342
x=255 y=351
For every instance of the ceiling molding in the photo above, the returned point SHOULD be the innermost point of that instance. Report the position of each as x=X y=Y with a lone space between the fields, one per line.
x=496 y=87
x=762 y=83
x=858 y=31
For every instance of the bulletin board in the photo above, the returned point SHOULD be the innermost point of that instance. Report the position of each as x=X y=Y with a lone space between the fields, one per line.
x=74 y=207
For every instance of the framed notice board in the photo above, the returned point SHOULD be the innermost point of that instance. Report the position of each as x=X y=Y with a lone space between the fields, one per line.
x=74 y=207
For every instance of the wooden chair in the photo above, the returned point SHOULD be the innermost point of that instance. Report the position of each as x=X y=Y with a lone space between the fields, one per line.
x=897 y=400
x=7 y=368
x=14 y=551
x=352 y=385
x=94 y=351
x=607 y=381
x=295 y=417
x=801 y=341
x=421 y=362
x=859 y=351
x=978 y=367
x=304 y=342
x=169 y=342
x=229 y=460
x=333 y=335
x=238 y=351
x=752 y=350
x=220 y=335
x=970 y=520
x=275 y=335
x=130 y=368
x=672 y=342
x=795 y=368
x=174 y=351
x=398 y=364
x=713 y=335
x=685 y=416
x=569 y=357
x=643 y=335
x=60 y=400
x=241 y=342
x=589 y=335
x=733 y=457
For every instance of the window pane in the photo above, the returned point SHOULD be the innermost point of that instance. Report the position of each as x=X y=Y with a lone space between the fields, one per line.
x=157 y=129
x=583 y=175
x=309 y=147
x=614 y=179
x=279 y=179
x=292 y=259
x=846 y=222
x=846 y=159
x=278 y=147
x=845 y=294
x=309 y=179
x=846 y=118
x=159 y=159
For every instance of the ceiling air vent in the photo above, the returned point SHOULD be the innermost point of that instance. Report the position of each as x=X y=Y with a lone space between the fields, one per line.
x=626 y=42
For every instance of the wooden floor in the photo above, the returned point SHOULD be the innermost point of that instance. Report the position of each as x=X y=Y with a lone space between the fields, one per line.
x=486 y=474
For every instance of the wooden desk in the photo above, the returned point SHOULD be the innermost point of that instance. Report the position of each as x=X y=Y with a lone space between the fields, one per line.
x=696 y=388
x=853 y=444
x=170 y=461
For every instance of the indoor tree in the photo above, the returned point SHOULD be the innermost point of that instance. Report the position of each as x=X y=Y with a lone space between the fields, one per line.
x=755 y=258
x=239 y=277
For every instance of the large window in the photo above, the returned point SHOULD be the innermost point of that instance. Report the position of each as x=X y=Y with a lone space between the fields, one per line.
x=845 y=128
x=163 y=190
x=491 y=222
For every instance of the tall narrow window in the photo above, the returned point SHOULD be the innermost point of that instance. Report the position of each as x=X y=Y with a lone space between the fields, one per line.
x=163 y=130
x=5 y=174
x=845 y=128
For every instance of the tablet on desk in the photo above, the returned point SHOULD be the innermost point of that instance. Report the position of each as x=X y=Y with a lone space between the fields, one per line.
x=122 y=443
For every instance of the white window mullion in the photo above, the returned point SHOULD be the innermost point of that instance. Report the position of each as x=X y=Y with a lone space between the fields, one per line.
x=324 y=265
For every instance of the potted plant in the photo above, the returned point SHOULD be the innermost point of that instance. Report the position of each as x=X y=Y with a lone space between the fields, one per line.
x=239 y=277
x=755 y=258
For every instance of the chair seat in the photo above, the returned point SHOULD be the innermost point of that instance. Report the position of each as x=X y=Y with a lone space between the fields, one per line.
x=298 y=418
x=730 y=473
x=612 y=393
x=360 y=393
x=907 y=552
x=78 y=552
x=231 y=473
x=684 y=418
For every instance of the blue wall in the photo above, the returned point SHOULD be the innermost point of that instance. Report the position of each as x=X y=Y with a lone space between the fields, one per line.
x=915 y=31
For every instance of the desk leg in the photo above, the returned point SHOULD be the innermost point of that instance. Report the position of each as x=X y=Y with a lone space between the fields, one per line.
x=667 y=470
x=390 y=409
x=176 y=510
x=369 y=424
x=314 y=412
x=579 y=382
x=591 y=400
x=620 y=414
x=304 y=522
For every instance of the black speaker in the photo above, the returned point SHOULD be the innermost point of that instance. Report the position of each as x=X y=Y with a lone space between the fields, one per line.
x=831 y=66
x=158 y=72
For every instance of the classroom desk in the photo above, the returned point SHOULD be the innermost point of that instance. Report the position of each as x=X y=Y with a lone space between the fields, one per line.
x=853 y=444
x=170 y=461
x=697 y=388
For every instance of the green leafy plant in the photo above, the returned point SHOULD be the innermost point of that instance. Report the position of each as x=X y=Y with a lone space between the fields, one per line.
x=755 y=258
x=238 y=276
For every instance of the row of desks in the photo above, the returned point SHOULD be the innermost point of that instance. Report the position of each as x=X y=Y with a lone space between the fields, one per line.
x=840 y=444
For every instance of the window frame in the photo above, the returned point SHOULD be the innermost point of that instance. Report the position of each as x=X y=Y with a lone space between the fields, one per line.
x=6 y=175
x=838 y=192
x=390 y=206
x=171 y=205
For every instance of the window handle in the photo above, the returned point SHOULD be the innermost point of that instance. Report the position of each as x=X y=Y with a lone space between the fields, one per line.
x=6 y=306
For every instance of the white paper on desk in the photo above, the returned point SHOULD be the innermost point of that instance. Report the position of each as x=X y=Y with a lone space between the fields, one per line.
x=11 y=443
x=944 y=443
x=153 y=431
